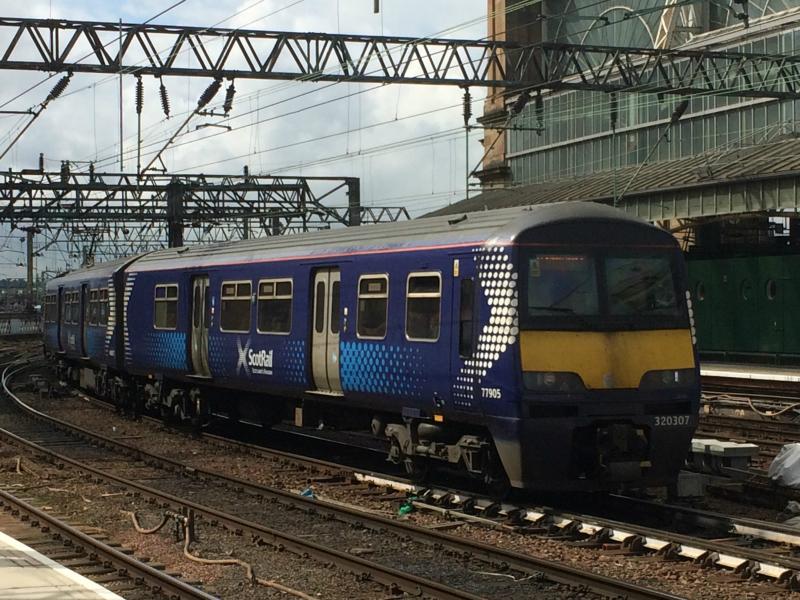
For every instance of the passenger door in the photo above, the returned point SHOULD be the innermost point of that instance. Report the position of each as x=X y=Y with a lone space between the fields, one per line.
x=84 y=318
x=200 y=317
x=325 y=325
x=59 y=318
x=464 y=334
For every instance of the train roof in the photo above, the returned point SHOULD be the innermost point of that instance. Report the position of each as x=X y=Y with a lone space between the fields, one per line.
x=493 y=227
x=99 y=271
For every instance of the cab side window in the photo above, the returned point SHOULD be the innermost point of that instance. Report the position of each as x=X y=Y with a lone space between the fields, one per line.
x=466 y=318
x=423 y=306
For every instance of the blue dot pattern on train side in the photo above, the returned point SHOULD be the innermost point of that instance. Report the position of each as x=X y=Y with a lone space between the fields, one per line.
x=379 y=368
x=165 y=349
x=293 y=366
x=217 y=357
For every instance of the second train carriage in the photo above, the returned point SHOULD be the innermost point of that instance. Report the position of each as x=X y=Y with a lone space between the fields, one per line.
x=548 y=346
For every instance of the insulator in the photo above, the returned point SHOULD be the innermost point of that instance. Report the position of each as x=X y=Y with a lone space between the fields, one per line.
x=229 y=94
x=139 y=94
x=164 y=99
x=540 y=110
x=467 y=106
x=520 y=103
x=59 y=88
x=678 y=112
x=209 y=93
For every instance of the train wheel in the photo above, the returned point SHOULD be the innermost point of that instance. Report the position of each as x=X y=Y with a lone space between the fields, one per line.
x=166 y=415
x=395 y=452
x=495 y=479
x=119 y=400
x=417 y=468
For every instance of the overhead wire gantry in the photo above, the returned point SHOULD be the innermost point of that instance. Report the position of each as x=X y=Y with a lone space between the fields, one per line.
x=114 y=48
x=253 y=205
x=65 y=46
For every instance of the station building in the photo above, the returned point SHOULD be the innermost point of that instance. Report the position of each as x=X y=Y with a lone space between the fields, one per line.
x=725 y=177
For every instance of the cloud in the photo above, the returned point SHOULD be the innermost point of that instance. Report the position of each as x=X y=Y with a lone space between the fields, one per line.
x=83 y=124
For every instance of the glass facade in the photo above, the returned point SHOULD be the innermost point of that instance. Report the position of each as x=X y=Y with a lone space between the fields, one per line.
x=578 y=138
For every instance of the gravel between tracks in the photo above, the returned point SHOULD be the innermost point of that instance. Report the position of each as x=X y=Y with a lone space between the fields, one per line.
x=680 y=578
x=71 y=498
x=408 y=555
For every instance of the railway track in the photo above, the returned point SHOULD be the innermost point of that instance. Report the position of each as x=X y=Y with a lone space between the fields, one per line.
x=770 y=436
x=239 y=506
x=595 y=527
x=83 y=551
x=648 y=535
x=746 y=547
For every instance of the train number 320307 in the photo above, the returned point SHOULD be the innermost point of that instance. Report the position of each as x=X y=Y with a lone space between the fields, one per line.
x=670 y=420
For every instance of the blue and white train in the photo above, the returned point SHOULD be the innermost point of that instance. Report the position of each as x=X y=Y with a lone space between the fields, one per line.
x=548 y=347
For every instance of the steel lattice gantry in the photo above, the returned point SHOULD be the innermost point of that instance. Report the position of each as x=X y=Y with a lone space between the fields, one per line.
x=92 y=47
x=224 y=206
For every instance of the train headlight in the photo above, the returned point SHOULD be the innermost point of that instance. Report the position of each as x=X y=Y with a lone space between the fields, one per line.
x=552 y=381
x=668 y=378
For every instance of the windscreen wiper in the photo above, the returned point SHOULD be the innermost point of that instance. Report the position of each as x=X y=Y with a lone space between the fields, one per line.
x=563 y=309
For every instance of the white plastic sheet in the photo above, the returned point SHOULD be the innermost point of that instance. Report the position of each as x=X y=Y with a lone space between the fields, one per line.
x=785 y=468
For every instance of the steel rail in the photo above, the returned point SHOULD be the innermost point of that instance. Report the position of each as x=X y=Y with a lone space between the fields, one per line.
x=158 y=581
x=730 y=556
x=681 y=545
x=752 y=527
x=554 y=571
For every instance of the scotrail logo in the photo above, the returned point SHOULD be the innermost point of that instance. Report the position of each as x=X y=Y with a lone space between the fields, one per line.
x=258 y=363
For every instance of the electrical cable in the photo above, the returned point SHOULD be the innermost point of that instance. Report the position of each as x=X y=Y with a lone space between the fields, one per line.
x=508 y=9
x=49 y=77
x=203 y=138
x=561 y=16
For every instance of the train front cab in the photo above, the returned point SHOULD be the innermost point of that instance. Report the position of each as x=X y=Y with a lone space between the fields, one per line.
x=609 y=388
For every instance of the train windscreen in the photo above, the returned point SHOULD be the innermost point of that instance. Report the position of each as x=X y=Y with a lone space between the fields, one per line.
x=601 y=290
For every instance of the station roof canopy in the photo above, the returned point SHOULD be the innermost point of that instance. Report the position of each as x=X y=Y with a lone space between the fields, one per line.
x=764 y=177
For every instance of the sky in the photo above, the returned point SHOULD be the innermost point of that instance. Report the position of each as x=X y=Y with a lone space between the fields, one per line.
x=82 y=125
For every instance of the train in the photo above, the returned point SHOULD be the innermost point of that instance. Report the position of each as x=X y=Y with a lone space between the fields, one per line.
x=547 y=347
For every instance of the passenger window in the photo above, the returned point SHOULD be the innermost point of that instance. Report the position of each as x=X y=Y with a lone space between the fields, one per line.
x=207 y=313
x=373 y=301
x=466 y=318
x=423 y=299
x=235 y=311
x=319 y=308
x=70 y=308
x=196 y=307
x=103 y=318
x=335 y=304
x=165 y=312
x=275 y=306
x=93 y=307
